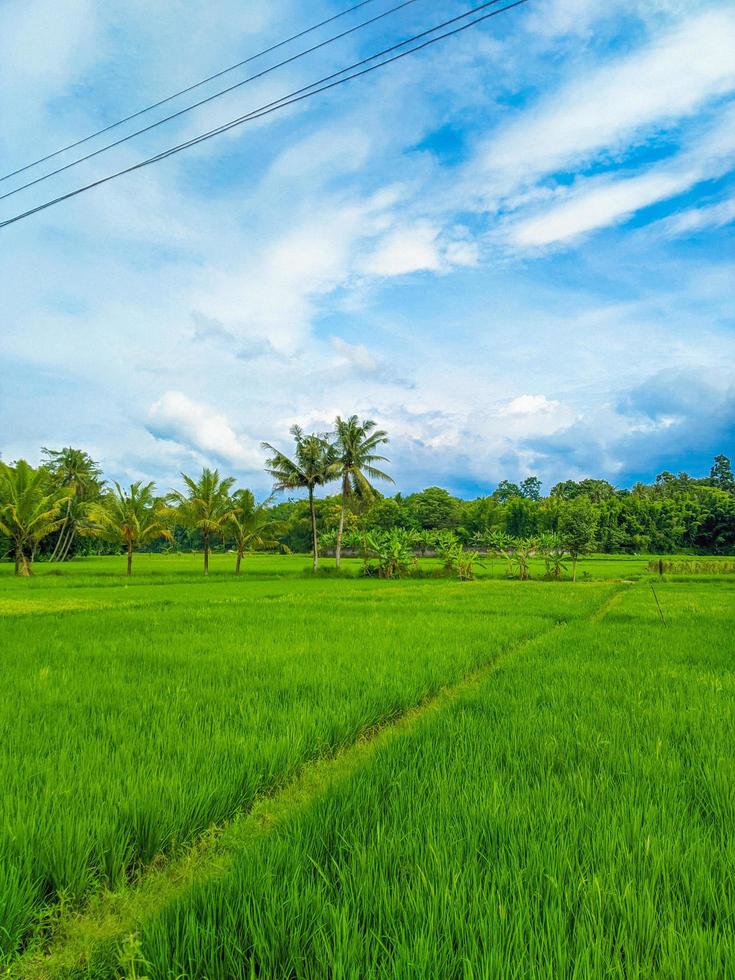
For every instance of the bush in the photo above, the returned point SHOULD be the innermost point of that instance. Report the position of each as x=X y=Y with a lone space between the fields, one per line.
x=712 y=566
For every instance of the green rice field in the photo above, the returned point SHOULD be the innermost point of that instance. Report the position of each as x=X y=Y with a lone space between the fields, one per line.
x=288 y=776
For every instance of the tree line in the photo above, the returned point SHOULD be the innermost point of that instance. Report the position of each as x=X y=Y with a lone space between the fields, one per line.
x=64 y=507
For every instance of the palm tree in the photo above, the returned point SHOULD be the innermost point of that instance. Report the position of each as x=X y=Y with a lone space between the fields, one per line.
x=314 y=464
x=77 y=470
x=356 y=445
x=30 y=509
x=205 y=506
x=130 y=518
x=251 y=524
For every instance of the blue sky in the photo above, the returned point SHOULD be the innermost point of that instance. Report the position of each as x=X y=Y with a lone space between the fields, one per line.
x=515 y=250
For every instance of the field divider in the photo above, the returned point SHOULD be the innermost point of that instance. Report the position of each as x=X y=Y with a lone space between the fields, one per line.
x=110 y=919
x=607 y=605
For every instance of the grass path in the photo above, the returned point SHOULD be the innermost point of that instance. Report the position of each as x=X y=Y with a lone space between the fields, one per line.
x=106 y=929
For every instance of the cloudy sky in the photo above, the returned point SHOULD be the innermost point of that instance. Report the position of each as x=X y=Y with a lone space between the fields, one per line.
x=514 y=250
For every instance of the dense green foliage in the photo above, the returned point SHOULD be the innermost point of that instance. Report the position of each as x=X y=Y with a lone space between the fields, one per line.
x=674 y=514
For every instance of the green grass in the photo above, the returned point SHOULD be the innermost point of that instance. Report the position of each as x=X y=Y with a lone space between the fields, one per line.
x=570 y=817
x=137 y=715
x=108 y=573
x=568 y=814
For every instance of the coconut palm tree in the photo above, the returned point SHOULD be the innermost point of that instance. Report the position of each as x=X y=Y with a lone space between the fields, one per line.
x=205 y=505
x=130 y=518
x=314 y=463
x=30 y=509
x=77 y=470
x=251 y=524
x=356 y=445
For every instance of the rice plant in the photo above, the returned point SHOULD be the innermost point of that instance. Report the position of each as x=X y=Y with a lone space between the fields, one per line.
x=137 y=715
x=572 y=816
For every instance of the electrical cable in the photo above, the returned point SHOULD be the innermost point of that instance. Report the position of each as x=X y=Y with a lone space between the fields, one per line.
x=210 y=98
x=189 y=88
x=283 y=102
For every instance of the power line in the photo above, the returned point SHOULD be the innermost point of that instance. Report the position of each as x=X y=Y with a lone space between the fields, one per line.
x=285 y=101
x=210 y=98
x=189 y=88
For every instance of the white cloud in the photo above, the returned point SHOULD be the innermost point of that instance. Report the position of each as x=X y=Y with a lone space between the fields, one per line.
x=530 y=405
x=421 y=247
x=195 y=425
x=270 y=289
x=602 y=205
x=601 y=201
x=22 y=26
x=697 y=219
x=327 y=150
x=405 y=250
x=616 y=104
x=582 y=17
x=357 y=355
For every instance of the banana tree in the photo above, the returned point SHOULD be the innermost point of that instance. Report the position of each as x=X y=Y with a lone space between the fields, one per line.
x=393 y=551
x=521 y=560
x=552 y=548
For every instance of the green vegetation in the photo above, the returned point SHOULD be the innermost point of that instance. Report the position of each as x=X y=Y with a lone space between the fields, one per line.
x=356 y=445
x=315 y=462
x=570 y=816
x=675 y=514
x=130 y=517
x=250 y=525
x=205 y=506
x=75 y=472
x=692 y=566
x=567 y=812
x=30 y=510
x=136 y=716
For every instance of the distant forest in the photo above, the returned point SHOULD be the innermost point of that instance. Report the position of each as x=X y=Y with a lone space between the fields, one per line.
x=674 y=513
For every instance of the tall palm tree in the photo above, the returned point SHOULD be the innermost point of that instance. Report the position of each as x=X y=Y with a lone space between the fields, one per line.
x=77 y=470
x=314 y=464
x=205 y=505
x=130 y=518
x=356 y=445
x=30 y=509
x=251 y=524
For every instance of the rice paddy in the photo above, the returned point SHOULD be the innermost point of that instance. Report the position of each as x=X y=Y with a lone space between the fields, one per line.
x=567 y=813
